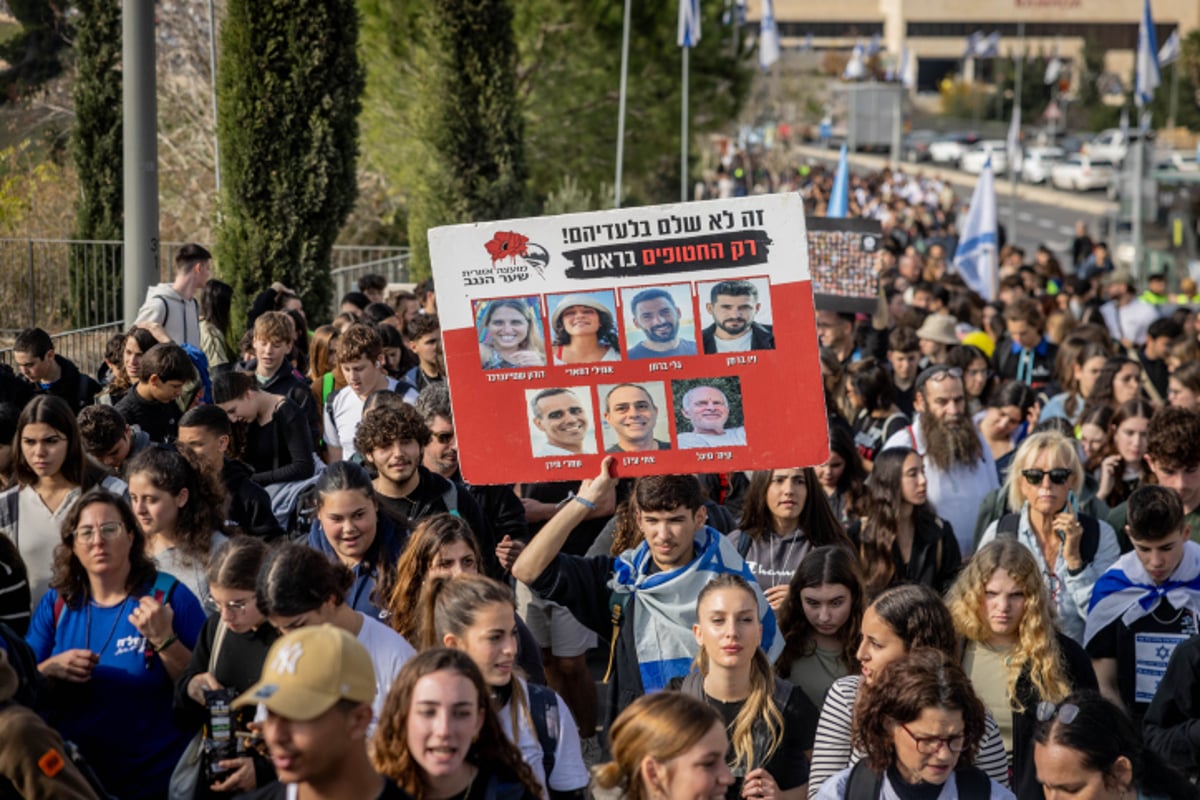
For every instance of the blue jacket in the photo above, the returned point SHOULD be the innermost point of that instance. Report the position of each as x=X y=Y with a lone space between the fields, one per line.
x=382 y=554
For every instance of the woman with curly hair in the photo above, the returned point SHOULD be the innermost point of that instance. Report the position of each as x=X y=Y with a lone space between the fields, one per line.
x=900 y=537
x=785 y=514
x=842 y=475
x=668 y=745
x=900 y=620
x=820 y=622
x=1015 y=656
x=584 y=331
x=918 y=727
x=1119 y=381
x=770 y=722
x=439 y=737
x=178 y=501
x=442 y=545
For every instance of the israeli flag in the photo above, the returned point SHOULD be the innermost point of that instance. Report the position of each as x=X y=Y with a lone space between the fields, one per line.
x=975 y=257
x=855 y=68
x=839 y=198
x=1052 y=71
x=908 y=77
x=689 y=23
x=768 y=37
x=1148 y=76
x=1170 y=50
x=973 y=42
x=990 y=46
x=874 y=45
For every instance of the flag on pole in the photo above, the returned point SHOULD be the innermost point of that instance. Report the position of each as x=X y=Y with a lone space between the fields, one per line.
x=1053 y=68
x=989 y=47
x=839 y=198
x=975 y=257
x=855 y=68
x=1148 y=76
x=768 y=37
x=1123 y=125
x=874 y=45
x=908 y=78
x=689 y=23
x=1013 y=143
x=1170 y=50
x=973 y=44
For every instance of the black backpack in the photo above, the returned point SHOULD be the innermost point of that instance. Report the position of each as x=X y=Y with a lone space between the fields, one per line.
x=543 y=708
x=867 y=784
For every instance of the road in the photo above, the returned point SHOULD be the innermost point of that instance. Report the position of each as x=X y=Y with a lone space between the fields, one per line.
x=1044 y=215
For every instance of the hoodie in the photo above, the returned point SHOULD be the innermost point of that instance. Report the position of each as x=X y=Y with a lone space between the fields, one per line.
x=180 y=318
x=77 y=389
x=249 y=503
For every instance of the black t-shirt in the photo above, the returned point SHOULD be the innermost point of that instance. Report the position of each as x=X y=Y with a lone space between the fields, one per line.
x=159 y=420
x=579 y=539
x=1142 y=651
x=279 y=791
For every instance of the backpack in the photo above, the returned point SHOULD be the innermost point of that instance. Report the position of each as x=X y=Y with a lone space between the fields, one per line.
x=543 y=709
x=30 y=682
x=1009 y=524
x=866 y=784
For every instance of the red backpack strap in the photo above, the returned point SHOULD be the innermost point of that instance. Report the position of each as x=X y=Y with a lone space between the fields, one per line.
x=59 y=605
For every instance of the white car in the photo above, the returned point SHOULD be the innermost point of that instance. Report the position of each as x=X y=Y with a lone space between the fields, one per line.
x=949 y=148
x=973 y=160
x=1082 y=173
x=1036 y=163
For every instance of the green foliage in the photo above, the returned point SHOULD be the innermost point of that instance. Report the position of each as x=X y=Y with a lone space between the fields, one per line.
x=289 y=93
x=1093 y=68
x=34 y=55
x=468 y=121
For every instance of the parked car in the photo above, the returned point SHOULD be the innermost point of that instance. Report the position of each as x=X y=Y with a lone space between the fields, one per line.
x=949 y=148
x=1112 y=144
x=1082 y=173
x=1035 y=164
x=976 y=156
x=916 y=145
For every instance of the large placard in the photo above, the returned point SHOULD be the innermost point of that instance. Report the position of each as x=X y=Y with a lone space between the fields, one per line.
x=842 y=253
x=680 y=338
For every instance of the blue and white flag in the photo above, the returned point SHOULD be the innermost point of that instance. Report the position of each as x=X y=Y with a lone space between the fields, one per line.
x=908 y=77
x=874 y=45
x=1148 y=76
x=975 y=258
x=689 y=23
x=768 y=37
x=839 y=198
x=990 y=46
x=855 y=68
x=1170 y=50
x=973 y=44
x=1053 y=68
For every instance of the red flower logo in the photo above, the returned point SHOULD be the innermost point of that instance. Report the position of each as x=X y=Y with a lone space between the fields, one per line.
x=507 y=244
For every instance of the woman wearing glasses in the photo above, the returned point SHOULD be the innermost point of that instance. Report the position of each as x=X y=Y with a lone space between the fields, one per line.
x=229 y=654
x=1072 y=550
x=1014 y=656
x=113 y=635
x=918 y=727
x=1088 y=749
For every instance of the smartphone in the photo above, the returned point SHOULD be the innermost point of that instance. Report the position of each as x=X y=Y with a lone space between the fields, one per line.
x=1073 y=507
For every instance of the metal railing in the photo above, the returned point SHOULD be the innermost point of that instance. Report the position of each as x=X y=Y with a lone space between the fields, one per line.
x=84 y=346
x=68 y=285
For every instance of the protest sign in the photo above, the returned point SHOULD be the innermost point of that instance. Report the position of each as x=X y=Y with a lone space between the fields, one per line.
x=681 y=338
x=842 y=255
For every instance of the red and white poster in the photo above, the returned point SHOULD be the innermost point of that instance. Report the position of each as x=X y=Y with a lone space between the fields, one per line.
x=680 y=338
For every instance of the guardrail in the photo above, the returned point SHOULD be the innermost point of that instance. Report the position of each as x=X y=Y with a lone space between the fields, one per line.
x=84 y=346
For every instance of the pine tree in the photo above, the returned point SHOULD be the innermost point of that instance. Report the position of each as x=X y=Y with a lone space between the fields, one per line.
x=289 y=89
x=469 y=120
x=97 y=149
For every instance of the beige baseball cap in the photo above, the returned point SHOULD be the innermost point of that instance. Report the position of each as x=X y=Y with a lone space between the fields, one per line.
x=309 y=670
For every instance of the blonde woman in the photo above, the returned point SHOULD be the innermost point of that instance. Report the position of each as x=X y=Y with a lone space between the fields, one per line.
x=1014 y=655
x=770 y=722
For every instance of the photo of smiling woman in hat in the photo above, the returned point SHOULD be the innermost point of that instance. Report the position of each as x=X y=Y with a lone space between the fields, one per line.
x=584 y=328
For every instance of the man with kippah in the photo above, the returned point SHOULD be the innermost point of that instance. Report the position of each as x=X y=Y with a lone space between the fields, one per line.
x=317 y=686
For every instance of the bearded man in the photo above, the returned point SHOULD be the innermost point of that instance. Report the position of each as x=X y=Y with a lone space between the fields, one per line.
x=959 y=469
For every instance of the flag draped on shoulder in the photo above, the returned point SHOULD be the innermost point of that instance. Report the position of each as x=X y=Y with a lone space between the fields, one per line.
x=1148 y=76
x=975 y=257
x=689 y=23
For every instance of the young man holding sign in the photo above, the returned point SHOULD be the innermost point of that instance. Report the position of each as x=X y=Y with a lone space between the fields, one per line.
x=644 y=599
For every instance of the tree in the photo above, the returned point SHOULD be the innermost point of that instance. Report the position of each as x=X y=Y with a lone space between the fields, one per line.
x=468 y=121
x=289 y=90
x=34 y=55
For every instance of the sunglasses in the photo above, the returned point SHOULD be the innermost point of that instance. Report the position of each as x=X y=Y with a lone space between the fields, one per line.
x=1058 y=475
x=1066 y=713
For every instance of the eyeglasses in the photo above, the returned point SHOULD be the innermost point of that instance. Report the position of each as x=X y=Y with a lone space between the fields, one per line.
x=1066 y=713
x=937 y=375
x=443 y=438
x=1058 y=475
x=233 y=606
x=928 y=745
x=107 y=531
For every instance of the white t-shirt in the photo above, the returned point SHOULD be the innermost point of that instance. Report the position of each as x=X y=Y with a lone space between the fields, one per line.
x=389 y=650
x=569 y=773
x=739 y=345
x=732 y=437
x=343 y=412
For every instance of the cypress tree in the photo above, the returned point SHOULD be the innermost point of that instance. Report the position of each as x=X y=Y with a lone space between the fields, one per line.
x=96 y=146
x=289 y=88
x=469 y=120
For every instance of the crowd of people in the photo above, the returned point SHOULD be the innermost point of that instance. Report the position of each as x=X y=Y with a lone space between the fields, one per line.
x=248 y=564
